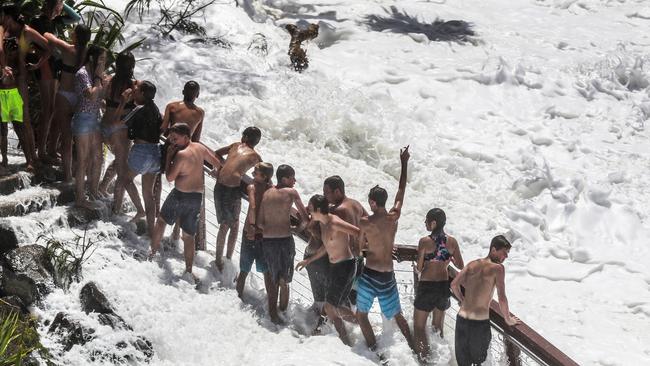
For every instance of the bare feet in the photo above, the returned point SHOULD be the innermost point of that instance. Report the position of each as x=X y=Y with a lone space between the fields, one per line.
x=137 y=216
x=29 y=168
x=276 y=320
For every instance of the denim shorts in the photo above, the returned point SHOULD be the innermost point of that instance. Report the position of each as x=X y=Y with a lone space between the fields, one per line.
x=84 y=123
x=144 y=158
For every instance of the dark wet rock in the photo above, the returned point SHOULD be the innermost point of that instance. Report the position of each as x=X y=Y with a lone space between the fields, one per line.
x=13 y=303
x=28 y=273
x=81 y=216
x=12 y=284
x=8 y=238
x=71 y=331
x=93 y=300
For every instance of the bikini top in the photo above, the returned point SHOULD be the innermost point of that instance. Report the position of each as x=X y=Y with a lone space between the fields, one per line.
x=440 y=253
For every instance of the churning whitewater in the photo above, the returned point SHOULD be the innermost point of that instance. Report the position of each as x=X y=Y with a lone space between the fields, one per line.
x=536 y=127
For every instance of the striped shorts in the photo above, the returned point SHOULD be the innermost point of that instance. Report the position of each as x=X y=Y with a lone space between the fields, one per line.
x=381 y=285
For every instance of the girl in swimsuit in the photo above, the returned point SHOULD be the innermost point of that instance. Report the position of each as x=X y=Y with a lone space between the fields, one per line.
x=85 y=125
x=73 y=56
x=24 y=36
x=435 y=252
x=50 y=20
x=114 y=130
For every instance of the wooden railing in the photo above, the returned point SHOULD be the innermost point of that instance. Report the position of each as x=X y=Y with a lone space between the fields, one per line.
x=517 y=339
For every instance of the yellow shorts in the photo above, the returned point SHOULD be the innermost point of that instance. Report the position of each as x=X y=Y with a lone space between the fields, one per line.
x=11 y=105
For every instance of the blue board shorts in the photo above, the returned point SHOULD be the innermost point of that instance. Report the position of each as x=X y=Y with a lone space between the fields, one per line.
x=227 y=203
x=382 y=285
x=251 y=251
x=144 y=158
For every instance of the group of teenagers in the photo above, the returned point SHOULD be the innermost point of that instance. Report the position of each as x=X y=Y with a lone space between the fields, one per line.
x=349 y=257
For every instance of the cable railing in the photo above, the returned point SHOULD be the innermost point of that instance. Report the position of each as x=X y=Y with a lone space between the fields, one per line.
x=519 y=345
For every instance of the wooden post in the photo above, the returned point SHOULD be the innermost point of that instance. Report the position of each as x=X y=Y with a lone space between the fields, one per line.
x=199 y=238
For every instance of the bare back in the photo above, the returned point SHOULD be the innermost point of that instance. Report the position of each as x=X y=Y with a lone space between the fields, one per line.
x=479 y=285
x=379 y=230
x=435 y=270
x=275 y=212
x=351 y=211
x=241 y=158
x=192 y=115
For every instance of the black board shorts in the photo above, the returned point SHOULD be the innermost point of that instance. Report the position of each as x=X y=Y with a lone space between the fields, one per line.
x=432 y=295
x=279 y=254
x=185 y=206
x=472 y=341
x=318 y=272
x=227 y=203
x=339 y=281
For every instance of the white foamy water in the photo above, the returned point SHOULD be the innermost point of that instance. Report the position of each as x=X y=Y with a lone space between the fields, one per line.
x=537 y=130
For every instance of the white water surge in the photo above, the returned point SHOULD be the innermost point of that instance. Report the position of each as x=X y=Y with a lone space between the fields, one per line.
x=537 y=130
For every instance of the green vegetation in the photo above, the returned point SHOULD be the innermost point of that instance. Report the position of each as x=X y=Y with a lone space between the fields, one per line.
x=18 y=337
x=67 y=257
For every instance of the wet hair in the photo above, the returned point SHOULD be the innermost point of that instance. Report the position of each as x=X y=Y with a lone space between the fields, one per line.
x=82 y=34
x=190 y=89
x=335 y=182
x=437 y=215
x=12 y=10
x=123 y=78
x=284 y=171
x=266 y=169
x=92 y=56
x=320 y=203
x=379 y=195
x=180 y=128
x=252 y=136
x=499 y=242
x=148 y=90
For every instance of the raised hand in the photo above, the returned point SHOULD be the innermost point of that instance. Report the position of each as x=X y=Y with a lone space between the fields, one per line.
x=404 y=154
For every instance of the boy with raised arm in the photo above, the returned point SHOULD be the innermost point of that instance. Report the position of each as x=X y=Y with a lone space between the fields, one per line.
x=378 y=279
x=480 y=277
x=227 y=193
x=184 y=167
x=274 y=219
x=342 y=263
x=251 y=241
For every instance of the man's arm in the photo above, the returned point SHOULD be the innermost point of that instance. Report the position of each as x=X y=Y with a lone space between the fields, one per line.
x=457 y=282
x=196 y=136
x=175 y=160
x=251 y=217
x=166 y=118
x=363 y=243
x=260 y=214
x=211 y=158
x=404 y=156
x=501 y=294
x=344 y=227
x=318 y=255
x=457 y=258
x=302 y=212
x=223 y=151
